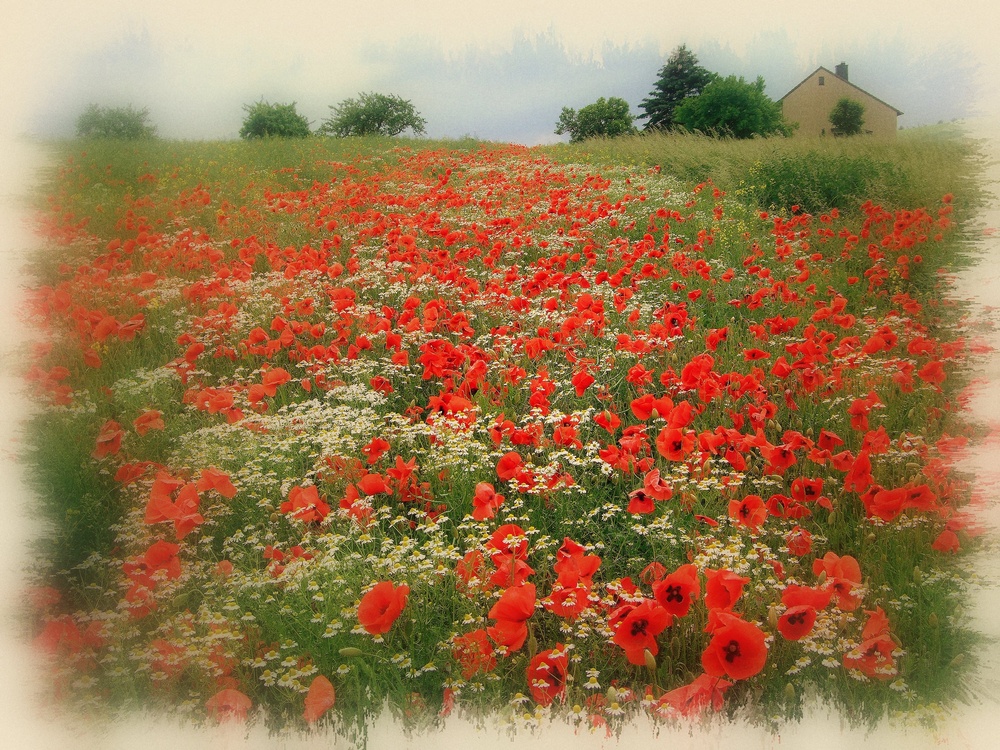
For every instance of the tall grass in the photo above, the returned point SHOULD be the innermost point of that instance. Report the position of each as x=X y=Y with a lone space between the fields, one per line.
x=915 y=169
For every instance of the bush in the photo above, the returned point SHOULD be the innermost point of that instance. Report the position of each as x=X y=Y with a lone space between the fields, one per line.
x=847 y=117
x=126 y=123
x=734 y=108
x=373 y=114
x=266 y=120
x=817 y=181
x=604 y=118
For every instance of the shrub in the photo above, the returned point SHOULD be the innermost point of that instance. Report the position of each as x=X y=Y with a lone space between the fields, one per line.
x=605 y=117
x=373 y=114
x=817 y=181
x=265 y=120
x=126 y=123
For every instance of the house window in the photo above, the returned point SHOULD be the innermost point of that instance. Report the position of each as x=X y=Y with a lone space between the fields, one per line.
x=822 y=80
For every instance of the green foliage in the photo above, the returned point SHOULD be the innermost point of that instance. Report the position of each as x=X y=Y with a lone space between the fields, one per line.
x=126 y=123
x=817 y=181
x=847 y=117
x=732 y=107
x=373 y=114
x=680 y=78
x=914 y=169
x=265 y=120
x=604 y=118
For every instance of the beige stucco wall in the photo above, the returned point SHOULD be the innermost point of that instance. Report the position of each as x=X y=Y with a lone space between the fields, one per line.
x=809 y=105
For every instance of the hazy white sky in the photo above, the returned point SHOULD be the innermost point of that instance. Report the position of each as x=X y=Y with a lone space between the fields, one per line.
x=500 y=69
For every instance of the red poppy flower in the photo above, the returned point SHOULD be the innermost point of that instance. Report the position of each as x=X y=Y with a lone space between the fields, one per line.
x=637 y=630
x=508 y=539
x=546 y=675
x=678 y=590
x=795 y=595
x=705 y=691
x=723 y=588
x=509 y=464
x=674 y=444
x=573 y=564
x=148 y=420
x=608 y=420
x=946 y=541
x=319 y=699
x=654 y=486
x=213 y=479
x=374 y=449
x=380 y=607
x=516 y=604
x=474 y=653
x=799 y=541
x=485 y=501
x=305 y=504
x=639 y=502
x=228 y=705
x=109 y=439
x=749 y=511
x=797 y=622
x=737 y=649
x=843 y=577
x=372 y=484
x=510 y=571
x=581 y=381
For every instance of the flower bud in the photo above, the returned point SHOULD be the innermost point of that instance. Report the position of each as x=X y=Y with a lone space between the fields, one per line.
x=772 y=616
x=351 y=651
x=650 y=660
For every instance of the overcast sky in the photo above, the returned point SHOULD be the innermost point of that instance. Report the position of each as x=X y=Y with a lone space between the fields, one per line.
x=501 y=69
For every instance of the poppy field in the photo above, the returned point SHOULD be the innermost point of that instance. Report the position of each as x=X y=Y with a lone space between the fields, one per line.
x=328 y=428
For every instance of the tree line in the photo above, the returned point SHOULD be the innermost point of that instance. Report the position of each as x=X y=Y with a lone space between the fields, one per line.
x=685 y=97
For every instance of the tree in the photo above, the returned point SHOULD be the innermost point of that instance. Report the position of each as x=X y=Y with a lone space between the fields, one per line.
x=114 y=122
x=605 y=118
x=679 y=79
x=733 y=108
x=373 y=114
x=266 y=120
x=847 y=117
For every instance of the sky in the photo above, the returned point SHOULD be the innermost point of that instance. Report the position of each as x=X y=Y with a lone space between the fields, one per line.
x=493 y=70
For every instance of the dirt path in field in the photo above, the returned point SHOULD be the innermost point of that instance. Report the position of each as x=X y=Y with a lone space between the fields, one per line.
x=24 y=724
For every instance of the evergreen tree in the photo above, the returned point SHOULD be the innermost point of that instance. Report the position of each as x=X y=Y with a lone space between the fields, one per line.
x=680 y=78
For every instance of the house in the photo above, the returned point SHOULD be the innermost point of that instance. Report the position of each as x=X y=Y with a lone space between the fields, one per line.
x=809 y=104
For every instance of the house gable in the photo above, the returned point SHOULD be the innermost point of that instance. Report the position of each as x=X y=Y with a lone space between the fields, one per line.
x=810 y=102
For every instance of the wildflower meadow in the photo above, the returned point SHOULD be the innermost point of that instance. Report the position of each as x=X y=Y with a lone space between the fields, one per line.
x=576 y=434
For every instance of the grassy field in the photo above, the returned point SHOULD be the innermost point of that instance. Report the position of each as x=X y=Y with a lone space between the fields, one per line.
x=659 y=425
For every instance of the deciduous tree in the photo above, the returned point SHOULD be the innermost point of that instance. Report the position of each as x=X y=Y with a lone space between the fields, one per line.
x=847 y=117
x=265 y=120
x=373 y=114
x=604 y=118
x=732 y=107
x=114 y=122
